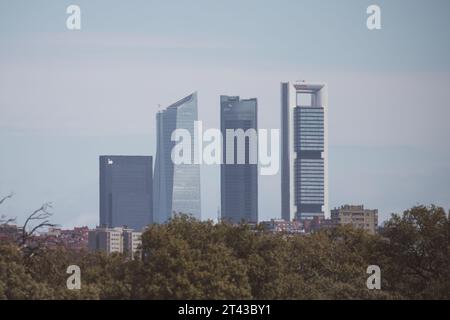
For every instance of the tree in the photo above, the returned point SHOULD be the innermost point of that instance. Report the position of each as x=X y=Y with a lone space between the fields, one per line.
x=15 y=281
x=418 y=253
x=188 y=259
x=37 y=220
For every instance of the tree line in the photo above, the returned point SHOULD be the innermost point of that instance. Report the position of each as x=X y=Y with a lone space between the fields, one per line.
x=191 y=259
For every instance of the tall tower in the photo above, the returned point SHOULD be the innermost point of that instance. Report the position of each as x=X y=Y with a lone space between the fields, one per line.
x=239 y=181
x=126 y=191
x=176 y=186
x=304 y=150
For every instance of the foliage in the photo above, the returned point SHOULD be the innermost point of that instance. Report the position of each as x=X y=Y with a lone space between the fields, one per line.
x=189 y=259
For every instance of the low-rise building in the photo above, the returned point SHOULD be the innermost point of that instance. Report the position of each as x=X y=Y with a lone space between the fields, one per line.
x=115 y=240
x=10 y=232
x=357 y=216
x=131 y=242
x=312 y=225
x=281 y=225
x=71 y=239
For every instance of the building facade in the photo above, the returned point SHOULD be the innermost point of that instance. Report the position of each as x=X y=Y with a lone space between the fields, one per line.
x=10 y=232
x=75 y=239
x=176 y=186
x=115 y=240
x=304 y=151
x=281 y=225
x=239 y=181
x=356 y=216
x=131 y=242
x=126 y=191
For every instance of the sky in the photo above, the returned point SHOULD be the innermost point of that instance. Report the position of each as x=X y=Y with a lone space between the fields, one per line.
x=67 y=97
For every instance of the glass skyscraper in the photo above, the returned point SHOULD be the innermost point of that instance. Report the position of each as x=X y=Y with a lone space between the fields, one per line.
x=176 y=186
x=239 y=182
x=126 y=191
x=304 y=151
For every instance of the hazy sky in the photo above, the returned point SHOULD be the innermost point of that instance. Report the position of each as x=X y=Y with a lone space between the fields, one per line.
x=67 y=97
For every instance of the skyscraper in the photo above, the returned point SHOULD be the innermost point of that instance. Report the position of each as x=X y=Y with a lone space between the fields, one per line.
x=304 y=150
x=176 y=186
x=126 y=191
x=239 y=182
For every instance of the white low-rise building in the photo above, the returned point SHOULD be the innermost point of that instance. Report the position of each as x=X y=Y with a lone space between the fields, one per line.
x=110 y=240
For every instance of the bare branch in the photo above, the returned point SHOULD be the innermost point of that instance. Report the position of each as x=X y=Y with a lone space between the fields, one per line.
x=5 y=220
x=7 y=197
x=38 y=215
x=41 y=216
x=41 y=225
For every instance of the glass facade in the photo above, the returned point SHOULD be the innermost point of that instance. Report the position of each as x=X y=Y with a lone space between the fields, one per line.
x=126 y=191
x=239 y=182
x=309 y=165
x=177 y=186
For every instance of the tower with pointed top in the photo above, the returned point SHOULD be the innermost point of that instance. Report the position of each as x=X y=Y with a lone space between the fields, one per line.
x=176 y=186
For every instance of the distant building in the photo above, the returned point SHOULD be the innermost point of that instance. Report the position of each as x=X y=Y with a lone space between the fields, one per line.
x=239 y=182
x=76 y=238
x=115 y=240
x=313 y=225
x=281 y=225
x=304 y=151
x=126 y=191
x=106 y=239
x=10 y=232
x=71 y=239
x=176 y=186
x=52 y=232
x=131 y=242
x=327 y=224
x=357 y=216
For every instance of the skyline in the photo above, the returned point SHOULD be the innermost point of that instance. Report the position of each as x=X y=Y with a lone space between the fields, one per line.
x=211 y=216
x=388 y=91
